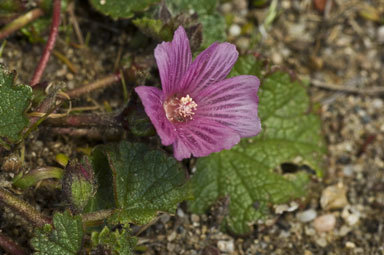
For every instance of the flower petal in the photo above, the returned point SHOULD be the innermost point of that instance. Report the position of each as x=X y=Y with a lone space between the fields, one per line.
x=202 y=137
x=173 y=60
x=210 y=66
x=233 y=103
x=152 y=99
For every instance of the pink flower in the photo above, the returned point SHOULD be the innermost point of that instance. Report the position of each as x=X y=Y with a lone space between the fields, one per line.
x=198 y=110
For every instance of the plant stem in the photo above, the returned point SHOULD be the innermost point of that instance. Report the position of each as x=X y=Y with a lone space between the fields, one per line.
x=37 y=175
x=369 y=91
x=20 y=22
x=44 y=107
x=10 y=246
x=91 y=133
x=65 y=60
x=104 y=82
x=23 y=208
x=50 y=43
x=86 y=120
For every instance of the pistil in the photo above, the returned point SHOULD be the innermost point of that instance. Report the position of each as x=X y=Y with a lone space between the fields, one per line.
x=180 y=109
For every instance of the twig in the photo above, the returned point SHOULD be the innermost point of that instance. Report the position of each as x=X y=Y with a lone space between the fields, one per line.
x=104 y=82
x=85 y=120
x=65 y=60
x=20 y=22
x=371 y=91
x=74 y=22
x=50 y=43
x=10 y=246
x=23 y=208
x=90 y=133
x=45 y=107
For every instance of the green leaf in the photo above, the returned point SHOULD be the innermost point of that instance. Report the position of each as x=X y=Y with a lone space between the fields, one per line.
x=214 y=27
x=154 y=28
x=114 y=243
x=197 y=6
x=121 y=8
x=36 y=30
x=247 y=65
x=247 y=174
x=13 y=104
x=64 y=238
x=145 y=181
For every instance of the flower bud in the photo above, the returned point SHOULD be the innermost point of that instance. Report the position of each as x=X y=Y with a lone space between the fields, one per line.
x=79 y=184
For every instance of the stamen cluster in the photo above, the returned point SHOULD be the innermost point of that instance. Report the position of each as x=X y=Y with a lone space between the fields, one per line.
x=180 y=109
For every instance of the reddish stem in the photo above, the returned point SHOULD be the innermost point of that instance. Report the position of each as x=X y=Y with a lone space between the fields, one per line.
x=104 y=82
x=10 y=246
x=50 y=43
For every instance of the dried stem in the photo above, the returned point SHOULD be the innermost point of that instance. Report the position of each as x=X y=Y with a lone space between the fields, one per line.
x=372 y=91
x=90 y=133
x=65 y=60
x=50 y=43
x=45 y=107
x=20 y=22
x=104 y=82
x=86 y=120
x=73 y=20
x=23 y=208
x=10 y=246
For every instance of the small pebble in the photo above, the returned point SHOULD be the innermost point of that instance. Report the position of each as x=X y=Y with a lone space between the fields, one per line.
x=307 y=252
x=240 y=4
x=334 y=197
x=344 y=230
x=69 y=76
x=350 y=215
x=380 y=34
x=348 y=170
x=195 y=220
x=172 y=236
x=325 y=223
x=377 y=103
x=165 y=218
x=307 y=215
x=277 y=58
x=226 y=246
x=180 y=213
x=322 y=242
x=279 y=209
x=309 y=231
x=226 y=7
x=350 y=245
x=243 y=43
x=234 y=30
x=171 y=246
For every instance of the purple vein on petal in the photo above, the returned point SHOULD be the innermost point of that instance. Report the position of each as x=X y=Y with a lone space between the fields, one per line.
x=210 y=66
x=232 y=102
x=173 y=60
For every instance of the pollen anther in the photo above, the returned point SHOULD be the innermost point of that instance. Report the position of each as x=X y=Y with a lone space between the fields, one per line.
x=180 y=109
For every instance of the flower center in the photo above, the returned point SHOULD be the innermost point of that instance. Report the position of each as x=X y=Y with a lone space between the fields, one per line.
x=180 y=109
